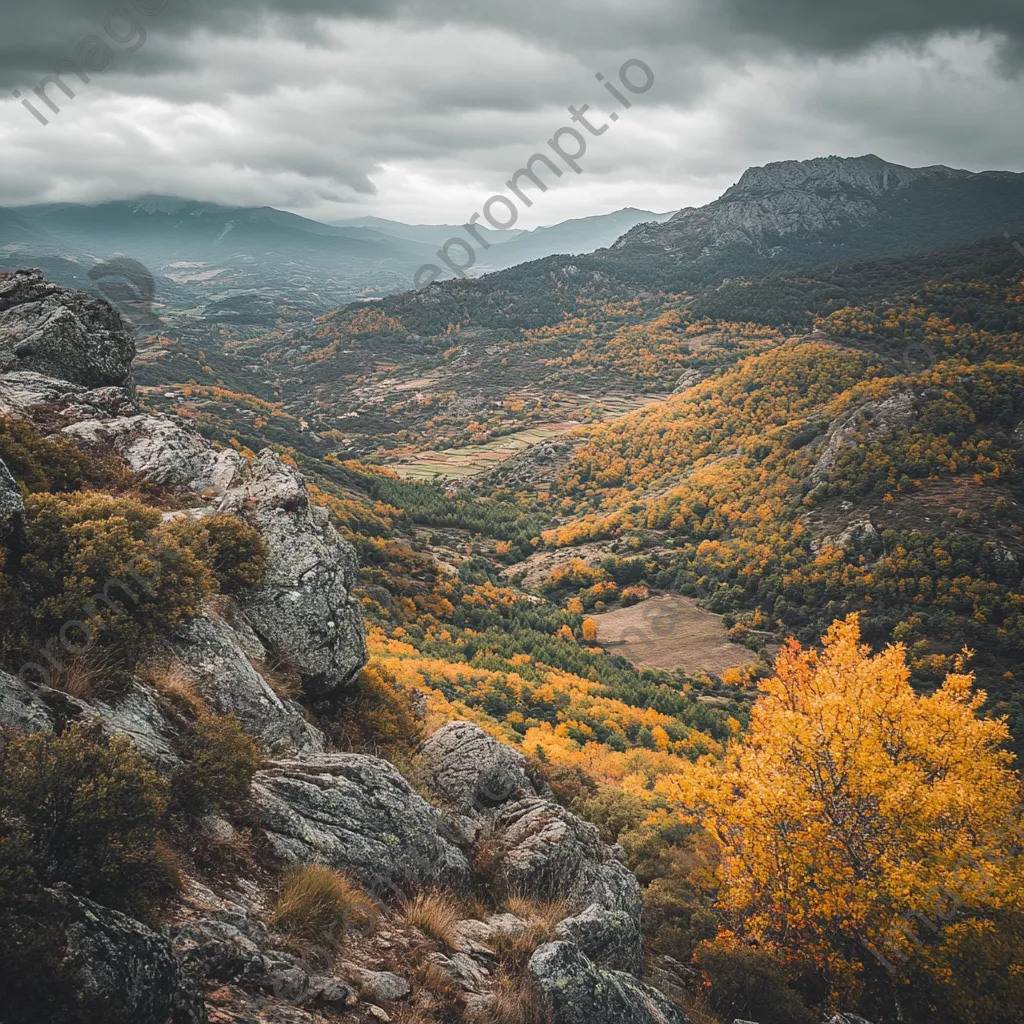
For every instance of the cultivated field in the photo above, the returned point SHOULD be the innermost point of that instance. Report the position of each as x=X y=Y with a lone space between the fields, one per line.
x=670 y=631
x=475 y=460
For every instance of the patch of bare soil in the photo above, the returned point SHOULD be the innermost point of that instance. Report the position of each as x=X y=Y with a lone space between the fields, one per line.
x=670 y=631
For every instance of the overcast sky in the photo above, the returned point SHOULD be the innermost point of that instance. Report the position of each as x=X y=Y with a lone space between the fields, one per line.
x=420 y=109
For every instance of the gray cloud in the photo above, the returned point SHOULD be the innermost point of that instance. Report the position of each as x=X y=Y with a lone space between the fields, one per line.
x=422 y=108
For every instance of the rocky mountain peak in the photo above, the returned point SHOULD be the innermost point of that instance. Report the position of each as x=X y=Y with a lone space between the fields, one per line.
x=867 y=174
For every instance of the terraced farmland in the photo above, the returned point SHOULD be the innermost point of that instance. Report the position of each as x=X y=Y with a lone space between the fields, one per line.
x=474 y=460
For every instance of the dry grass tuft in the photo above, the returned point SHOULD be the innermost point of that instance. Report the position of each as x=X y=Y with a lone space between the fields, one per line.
x=281 y=674
x=516 y=1002
x=85 y=677
x=444 y=993
x=548 y=912
x=317 y=902
x=169 y=864
x=172 y=680
x=435 y=914
x=514 y=949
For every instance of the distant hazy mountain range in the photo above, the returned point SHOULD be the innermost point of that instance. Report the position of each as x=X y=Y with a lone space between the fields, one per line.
x=203 y=251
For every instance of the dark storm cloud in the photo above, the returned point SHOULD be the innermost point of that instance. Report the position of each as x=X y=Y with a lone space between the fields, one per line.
x=39 y=34
x=315 y=104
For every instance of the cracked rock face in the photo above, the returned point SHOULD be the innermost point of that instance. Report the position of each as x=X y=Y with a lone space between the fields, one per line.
x=473 y=771
x=33 y=396
x=62 y=333
x=214 y=655
x=355 y=812
x=21 y=707
x=873 y=421
x=303 y=607
x=12 y=504
x=576 y=991
x=608 y=937
x=163 y=452
x=123 y=971
x=544 y=850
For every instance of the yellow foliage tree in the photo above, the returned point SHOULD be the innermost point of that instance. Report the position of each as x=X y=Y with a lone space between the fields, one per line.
x=869 y=828
x=589 y=630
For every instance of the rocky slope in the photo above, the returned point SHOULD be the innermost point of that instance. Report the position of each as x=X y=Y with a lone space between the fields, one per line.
x=219 y=956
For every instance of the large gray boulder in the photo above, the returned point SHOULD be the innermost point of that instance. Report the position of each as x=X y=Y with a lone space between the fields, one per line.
x=611 y=938
x=537 y=848
x=21 y=707
x=164 y=451
x=473 y=771
x=540 y=849
x=357 y=813
x=303 y=608
x=118 y=969
x=66 y=334
x=213 y=653
x=576 y=991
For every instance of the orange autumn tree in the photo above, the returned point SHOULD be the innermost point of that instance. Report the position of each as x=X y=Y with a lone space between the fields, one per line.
x=870 y=829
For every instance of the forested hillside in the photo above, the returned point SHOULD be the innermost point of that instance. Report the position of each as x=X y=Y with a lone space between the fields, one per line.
x=456 y=751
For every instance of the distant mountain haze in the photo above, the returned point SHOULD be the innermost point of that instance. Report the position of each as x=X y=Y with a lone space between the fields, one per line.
x=778 y=217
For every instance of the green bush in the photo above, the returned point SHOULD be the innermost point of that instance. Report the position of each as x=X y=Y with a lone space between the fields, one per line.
x=43 y=464
x=749 y=984
x=220 y=762
x=99 y=572
x=678 y=917
x=235 y=552
x=80 y=808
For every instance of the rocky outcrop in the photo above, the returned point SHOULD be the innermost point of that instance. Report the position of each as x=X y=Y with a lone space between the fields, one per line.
x=358 y=813
x=541 y=849
x=576 y=991
x=215 y=656
x=21 y=707
x=62 y=333
x=12 y=504
x=859 y=537
x=870 y=422
x=792 y=197
x=472 y=771
x=25 y=395
x=303 y=608
x=376 y=986
x=121 y=970
x=688 y=379
x=164 y=451
x=137 y=715
x=534 y=846
x=608 y=937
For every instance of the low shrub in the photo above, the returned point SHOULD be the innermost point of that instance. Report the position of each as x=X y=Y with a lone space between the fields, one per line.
x=219 y=763
x=81 y=808
x=750 y=984
x=44 y=464
x=99 y=574
x=376 y=716
x=318 y=903
x=516 y=1001
x=233 y=550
